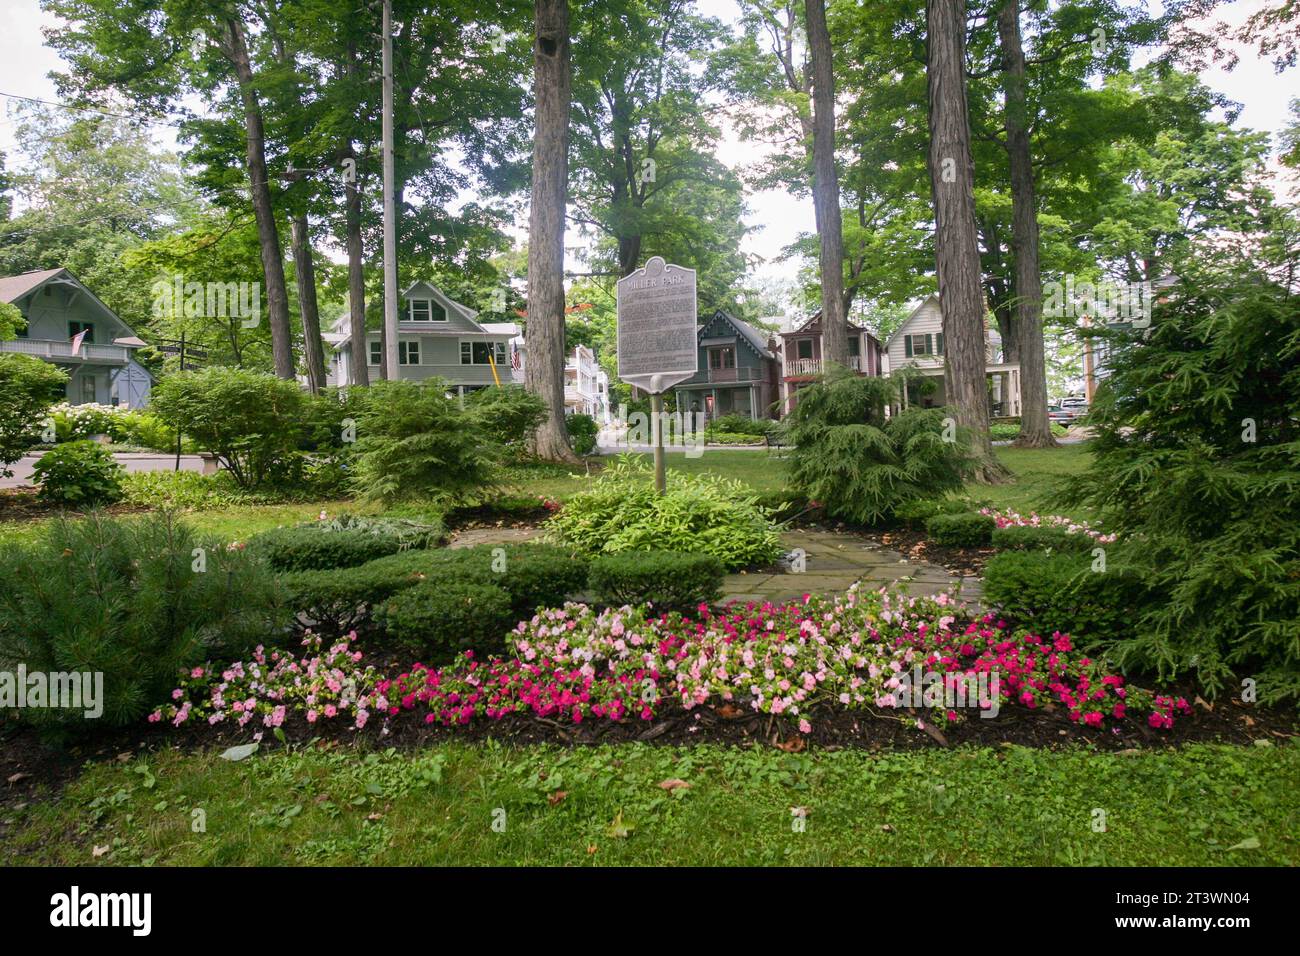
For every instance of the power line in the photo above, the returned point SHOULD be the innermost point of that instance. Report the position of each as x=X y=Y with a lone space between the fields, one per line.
x=93 y=109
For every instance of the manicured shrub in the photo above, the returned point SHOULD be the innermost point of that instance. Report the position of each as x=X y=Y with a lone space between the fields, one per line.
x=699 y=514
x=860 y=464
x=533 y=575
x=583 y=431
x=414 y=442
x=739 y=425
x=960 y=530
x=320 y=547
x=27 y=388
x=1196 y=465
x=508 y=415
x=1040 y=538
x=252 y=421
x=134 y=599
x=337 y=601
x=79 y=474
x=1061 y=592
x=915 y=513
x=668 y=580
x=437 y=620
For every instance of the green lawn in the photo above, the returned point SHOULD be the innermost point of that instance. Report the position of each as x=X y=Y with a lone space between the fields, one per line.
x=1205 y=806
x=1035 y=471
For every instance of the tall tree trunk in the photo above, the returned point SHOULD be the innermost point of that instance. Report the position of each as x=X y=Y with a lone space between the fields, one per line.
x=826 y=187
x=305 y=273
x=629 y=251
x=544 y=375
x=268 y=235
x=957 y=260
x=356 y=281
x=1035 y=430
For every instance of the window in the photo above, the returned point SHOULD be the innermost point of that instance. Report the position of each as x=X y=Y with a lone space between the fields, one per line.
x=722 y=358
x=922 y=344
x=75 y=328
x=477 y=353
x=426 y=310
x=87 y=389
x=804 y=348
x=855 y=345
x=376 y=353
x=408 y=353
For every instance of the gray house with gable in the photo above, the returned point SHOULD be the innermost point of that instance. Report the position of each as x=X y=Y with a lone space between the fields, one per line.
x=61 y=313
x=738 y=371
x=437 y=337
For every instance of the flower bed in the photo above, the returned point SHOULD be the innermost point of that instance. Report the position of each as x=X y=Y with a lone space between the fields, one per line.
x=1008 y=518
x=873 y=652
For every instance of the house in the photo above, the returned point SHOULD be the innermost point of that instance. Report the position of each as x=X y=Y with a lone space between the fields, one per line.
x=801 y=357
x=1097 y=351
x=62 y=313
x=737 y=371
x=586 y=386
x=918 y=343
x=437 y=337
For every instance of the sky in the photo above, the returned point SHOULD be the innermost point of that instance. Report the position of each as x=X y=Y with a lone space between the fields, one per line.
x=776 y=218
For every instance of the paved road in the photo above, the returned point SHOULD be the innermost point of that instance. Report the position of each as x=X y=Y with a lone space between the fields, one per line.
x=131 y=461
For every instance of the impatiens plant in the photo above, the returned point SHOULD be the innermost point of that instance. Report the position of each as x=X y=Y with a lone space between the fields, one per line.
x=863 y=652
x=319 y=685
x=1009 y=518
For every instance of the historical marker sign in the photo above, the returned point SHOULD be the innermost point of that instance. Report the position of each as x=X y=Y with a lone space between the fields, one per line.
x=657 y=345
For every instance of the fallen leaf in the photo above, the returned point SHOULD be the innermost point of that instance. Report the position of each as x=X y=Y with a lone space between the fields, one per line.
x=1250 y=843
x=674 y=784
x=1250 y=721
x=99 y=851
x=240 y=752
x=591 y=848
x=1197 y=700
x=123 y=758
x=18 y=776
x=729 y=711
x=375 y=816
x=792 y=746
x=557 y=797
x=618 y=828
x=887 y=828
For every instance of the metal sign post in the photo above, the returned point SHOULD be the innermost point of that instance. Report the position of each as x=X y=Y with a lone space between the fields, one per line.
x=657 y=339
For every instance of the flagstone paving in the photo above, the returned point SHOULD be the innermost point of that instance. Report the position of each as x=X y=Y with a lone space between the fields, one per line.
x=832 y=561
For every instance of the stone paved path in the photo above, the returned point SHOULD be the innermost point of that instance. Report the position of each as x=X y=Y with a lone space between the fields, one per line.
x=833 y=563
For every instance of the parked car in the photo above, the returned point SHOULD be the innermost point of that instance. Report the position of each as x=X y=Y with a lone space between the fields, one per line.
x=1061 y=416
x=1078 y=405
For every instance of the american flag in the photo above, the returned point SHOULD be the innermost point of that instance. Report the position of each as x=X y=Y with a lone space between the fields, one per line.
x=515 y=362
x=77 y=340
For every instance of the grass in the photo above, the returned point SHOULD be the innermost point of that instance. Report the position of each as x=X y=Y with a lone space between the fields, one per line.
x=1201 y=806
x=1036 y=471
x=1037 y=474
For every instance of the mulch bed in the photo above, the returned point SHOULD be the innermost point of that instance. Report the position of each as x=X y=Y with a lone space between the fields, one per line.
x=27 y=766
x=21 y=504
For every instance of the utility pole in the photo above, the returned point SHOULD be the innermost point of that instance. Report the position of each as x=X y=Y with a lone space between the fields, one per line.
x=390 y=211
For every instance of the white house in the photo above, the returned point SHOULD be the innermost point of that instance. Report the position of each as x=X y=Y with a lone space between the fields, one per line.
x=437 y=337
x=586 y=385
x=62 y=313
x=918 y=343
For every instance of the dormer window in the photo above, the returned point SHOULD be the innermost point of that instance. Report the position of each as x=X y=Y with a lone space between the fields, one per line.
x=426 y=310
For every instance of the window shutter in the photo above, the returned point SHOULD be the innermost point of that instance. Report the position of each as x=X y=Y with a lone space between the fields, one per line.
x=929 y=344
x=907 y=345
x=939 y=341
